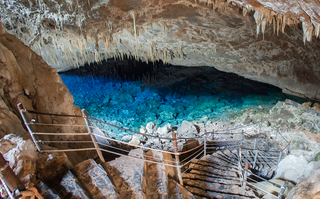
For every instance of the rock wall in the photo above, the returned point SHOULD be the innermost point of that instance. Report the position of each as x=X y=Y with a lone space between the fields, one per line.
x=26 y=78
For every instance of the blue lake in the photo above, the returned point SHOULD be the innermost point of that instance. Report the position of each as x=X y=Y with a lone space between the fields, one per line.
x=168 y=94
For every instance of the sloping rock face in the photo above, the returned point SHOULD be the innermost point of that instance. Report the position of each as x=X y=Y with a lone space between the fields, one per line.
x=221 y=34
x=26 y=78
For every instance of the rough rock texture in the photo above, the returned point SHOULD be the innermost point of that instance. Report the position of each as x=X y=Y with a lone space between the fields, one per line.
x=307 y=189
x=27 y=79
x=30 y=165
x=94 y=179
x=21 y=156
x=221 y=34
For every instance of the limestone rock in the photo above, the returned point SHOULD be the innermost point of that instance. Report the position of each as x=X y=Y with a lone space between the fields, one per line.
x=316 y=106
x=52 y=166
x=307 y=189
x=220 y=34
x=187 y=129
x=291 y=167
x=151 y=128
x=21 y=155
x=164 y=131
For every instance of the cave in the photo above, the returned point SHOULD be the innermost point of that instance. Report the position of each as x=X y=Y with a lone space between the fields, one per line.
x=131 y=93
x=206 y=98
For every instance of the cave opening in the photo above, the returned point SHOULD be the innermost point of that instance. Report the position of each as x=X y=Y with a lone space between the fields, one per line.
x=130 y=93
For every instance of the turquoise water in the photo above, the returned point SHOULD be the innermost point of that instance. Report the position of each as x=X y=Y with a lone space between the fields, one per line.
x=170 y=96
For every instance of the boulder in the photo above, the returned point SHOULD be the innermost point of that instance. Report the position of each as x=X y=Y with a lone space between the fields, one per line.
x=291 y=168
x=164 y=131
x=187 y=129
x=307 y=189
x=151 y=128
x=51 y=167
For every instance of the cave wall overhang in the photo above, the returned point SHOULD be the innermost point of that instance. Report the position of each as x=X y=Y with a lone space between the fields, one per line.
x=274 y=42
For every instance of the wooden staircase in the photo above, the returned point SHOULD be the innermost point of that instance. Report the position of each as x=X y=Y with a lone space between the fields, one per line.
x=213 y=176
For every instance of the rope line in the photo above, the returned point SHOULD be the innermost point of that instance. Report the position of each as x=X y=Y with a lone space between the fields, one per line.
x=52 y=114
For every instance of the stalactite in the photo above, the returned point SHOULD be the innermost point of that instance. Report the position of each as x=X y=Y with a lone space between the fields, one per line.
x=134 y=23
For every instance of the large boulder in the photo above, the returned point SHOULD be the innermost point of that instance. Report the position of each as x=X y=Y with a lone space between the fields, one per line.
x=307 y=189
x=187 y=129
x=291 y=168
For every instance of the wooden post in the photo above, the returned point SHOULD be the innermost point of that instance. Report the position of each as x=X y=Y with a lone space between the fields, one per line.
x=175 y=146
x=93 y=138
x=9 y=178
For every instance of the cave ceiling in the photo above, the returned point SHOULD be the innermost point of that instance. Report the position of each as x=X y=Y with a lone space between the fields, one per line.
x=272 y=41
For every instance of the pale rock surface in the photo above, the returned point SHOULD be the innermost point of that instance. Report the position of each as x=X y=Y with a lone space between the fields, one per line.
x=307 y=189
x=22 y=157
x=164 y=131
x=291 y=168
x=151 y=128
x=187 y=129
x=127 y=174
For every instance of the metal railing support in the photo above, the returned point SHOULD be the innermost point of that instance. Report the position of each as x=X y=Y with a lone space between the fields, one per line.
x=280 y=154
x=24 y=118
x=255 y=158
x=255 y=143
x=241 y=138
x=205 y=143
x=283 y=189
x=245 y=174
x=175 y=146
x=240 y=154
x=93 y=138
x=8 y=178
x=288 y=148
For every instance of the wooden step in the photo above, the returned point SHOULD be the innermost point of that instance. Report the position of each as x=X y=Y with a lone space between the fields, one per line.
x=194 y=176
x=213 y=170
x=218 y=161
x=214 y=165
x=203 y=173
x=213 y=189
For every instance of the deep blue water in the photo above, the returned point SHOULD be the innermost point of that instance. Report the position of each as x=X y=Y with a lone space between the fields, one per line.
x=170 y=96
